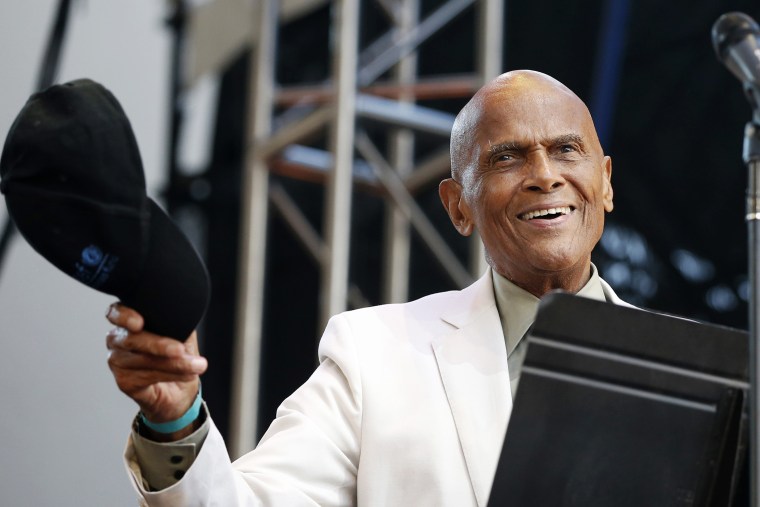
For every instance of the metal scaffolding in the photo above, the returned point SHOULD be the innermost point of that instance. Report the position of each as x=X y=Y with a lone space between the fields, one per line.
x=353 y=92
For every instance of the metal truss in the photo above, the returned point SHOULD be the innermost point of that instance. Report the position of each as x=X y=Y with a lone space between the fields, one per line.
x=353 y=92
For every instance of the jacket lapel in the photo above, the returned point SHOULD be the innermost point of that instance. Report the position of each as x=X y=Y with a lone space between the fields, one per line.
x=472 y=360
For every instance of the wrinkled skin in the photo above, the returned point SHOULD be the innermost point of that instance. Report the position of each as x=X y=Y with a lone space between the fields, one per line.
x=524 y=143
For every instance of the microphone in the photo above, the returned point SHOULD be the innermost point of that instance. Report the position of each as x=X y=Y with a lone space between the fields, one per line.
x=736 y=40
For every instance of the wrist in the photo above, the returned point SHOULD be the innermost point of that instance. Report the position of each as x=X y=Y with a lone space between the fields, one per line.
x=183 y=422
x=155 y=436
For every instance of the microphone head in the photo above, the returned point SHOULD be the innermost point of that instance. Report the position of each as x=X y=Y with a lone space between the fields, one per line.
x=736 y=40
x=729 y=29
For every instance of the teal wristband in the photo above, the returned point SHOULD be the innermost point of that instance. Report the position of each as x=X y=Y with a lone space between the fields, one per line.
x=177 y=424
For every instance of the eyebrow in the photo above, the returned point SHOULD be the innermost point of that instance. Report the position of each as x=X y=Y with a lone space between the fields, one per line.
x=567 y=139
x=516 y=146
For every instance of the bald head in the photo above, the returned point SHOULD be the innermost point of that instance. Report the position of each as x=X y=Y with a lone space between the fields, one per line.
x=529 y=174
x=521 y=89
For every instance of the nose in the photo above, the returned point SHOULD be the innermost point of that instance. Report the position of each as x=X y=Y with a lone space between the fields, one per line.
x=542 y=174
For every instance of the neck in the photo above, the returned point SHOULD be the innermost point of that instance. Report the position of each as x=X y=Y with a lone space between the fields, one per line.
x=541 y=283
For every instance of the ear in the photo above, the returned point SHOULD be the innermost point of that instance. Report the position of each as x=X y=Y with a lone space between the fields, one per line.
x=459 y=212
x=607 y=192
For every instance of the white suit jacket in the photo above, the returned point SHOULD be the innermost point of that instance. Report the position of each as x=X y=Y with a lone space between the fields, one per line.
x=408 y=407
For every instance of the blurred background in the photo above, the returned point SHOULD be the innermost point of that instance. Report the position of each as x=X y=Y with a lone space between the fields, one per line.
x=206 y=111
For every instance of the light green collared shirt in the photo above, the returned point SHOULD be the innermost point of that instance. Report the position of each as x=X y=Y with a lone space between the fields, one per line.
x=517 y=311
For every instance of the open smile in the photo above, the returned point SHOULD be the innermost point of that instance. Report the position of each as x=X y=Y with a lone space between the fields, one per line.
x=547 y=214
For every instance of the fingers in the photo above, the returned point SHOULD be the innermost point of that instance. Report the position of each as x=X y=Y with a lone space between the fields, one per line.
x=122 y=316
x=150 y=370
x=145 y=343
x=148 y=351
x=139 y=358
x=130 y=320
x=131 y=374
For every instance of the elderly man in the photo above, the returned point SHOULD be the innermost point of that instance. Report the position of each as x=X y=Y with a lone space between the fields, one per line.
x=410 y=402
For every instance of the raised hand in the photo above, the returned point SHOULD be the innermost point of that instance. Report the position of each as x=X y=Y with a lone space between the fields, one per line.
x=161 y=374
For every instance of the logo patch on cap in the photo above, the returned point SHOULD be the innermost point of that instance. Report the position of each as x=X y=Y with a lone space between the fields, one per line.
x=92 y=255
x=95 y=267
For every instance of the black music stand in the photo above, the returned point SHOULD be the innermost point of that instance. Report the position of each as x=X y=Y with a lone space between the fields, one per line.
x=623 y=407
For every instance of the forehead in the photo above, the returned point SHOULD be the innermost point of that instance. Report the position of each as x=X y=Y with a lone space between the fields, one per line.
x=531 y=113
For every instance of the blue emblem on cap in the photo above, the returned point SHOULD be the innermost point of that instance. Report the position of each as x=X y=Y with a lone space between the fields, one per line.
x=92 y=255
x=95 y=266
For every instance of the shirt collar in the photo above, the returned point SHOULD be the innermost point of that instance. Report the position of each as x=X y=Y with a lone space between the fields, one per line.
x=517 y=307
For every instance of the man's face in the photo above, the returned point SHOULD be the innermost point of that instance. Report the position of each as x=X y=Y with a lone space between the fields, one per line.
x=537 y=183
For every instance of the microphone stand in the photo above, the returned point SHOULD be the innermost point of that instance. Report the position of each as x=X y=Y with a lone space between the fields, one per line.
x=751 y=155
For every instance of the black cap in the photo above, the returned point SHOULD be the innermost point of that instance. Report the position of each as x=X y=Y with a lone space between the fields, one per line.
x=74 y=186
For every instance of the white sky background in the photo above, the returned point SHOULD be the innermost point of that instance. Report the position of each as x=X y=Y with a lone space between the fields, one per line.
x=64 y=422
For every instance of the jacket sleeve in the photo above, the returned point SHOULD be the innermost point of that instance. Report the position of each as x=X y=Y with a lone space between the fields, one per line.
x=309 y=456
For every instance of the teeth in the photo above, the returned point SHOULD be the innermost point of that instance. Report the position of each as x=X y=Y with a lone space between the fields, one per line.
x=564 y=210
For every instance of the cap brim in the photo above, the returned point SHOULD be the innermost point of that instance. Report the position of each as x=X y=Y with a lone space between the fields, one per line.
x=173 y=288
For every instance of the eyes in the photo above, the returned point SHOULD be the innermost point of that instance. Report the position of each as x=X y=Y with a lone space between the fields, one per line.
x=562 y=152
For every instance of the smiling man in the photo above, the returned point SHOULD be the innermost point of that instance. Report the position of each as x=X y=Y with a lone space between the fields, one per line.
x=529 y=174
x=410 y=402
